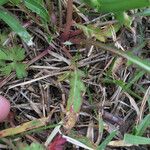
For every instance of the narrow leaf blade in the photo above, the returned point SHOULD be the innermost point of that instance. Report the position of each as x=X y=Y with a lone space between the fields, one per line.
x=103 y=145
x=15 y=25
x=136 y=140
x=140 y=129
x=38 y=9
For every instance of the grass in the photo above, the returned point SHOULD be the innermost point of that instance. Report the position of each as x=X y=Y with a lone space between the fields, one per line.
x=75 y=71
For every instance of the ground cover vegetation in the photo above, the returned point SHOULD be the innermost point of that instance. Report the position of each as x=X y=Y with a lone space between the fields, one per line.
x=75 y=74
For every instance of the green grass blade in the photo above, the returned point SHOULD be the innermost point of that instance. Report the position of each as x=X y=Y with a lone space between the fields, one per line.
x=140 y=129
x=15 y=25
x=137 y=75
x=144 y=64
x=103 y=145
x=136 y=140
x=33 y=146
x=146 y=12
x=38 y=8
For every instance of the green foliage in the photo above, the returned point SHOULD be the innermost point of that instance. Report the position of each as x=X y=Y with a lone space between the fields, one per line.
x=2 y=2
x=118 y=7
x=33 y=146
x=90 y=32
x=145 y=123
x=82 y=139
x=103 y=145
x=10 y=60
x=146 y=12
x=35 y=6
x=38 y=8
x=136 y=140
x=77 y=88
x=101 y=35
x=144 y=64
x=15 y=25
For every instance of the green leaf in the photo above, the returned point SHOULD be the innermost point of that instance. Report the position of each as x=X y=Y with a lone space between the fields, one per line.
x=6 y=70
x=91 y=31
x=3 y=55
x=38 y=9
x=117 y=5
x=136 y=140
x=33 y=146
x=15 y=25
x=146 y=12
x=103 y=145
x=145 y=123
x=20 y=70
x=2 y=2
x=124 y=19
x=14 y=55
x=77 y=88
x=18 y=54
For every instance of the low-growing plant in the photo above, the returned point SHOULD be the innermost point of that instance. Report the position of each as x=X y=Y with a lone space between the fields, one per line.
x=11 y=60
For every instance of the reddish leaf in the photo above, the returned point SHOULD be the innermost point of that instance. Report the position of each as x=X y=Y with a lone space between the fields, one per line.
x=57 y=144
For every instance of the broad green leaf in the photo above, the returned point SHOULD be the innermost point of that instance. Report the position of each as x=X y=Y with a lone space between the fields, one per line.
x=40 y=1
x=124 y=19
x=136 y=140
x=38 y=8
x=16 y=2
x=15 y=25
x=122 y=84
x=103 y=145
x=117 y=5
x=76 y=89
x=28 y=126
x=144 y=64
x=99 y=34
x=14 y=55
x=2 y=2
x=137 y=75
x=109 y=30
x=145 y=123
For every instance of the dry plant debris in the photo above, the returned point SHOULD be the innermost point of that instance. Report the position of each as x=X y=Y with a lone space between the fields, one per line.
x=76 y=74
